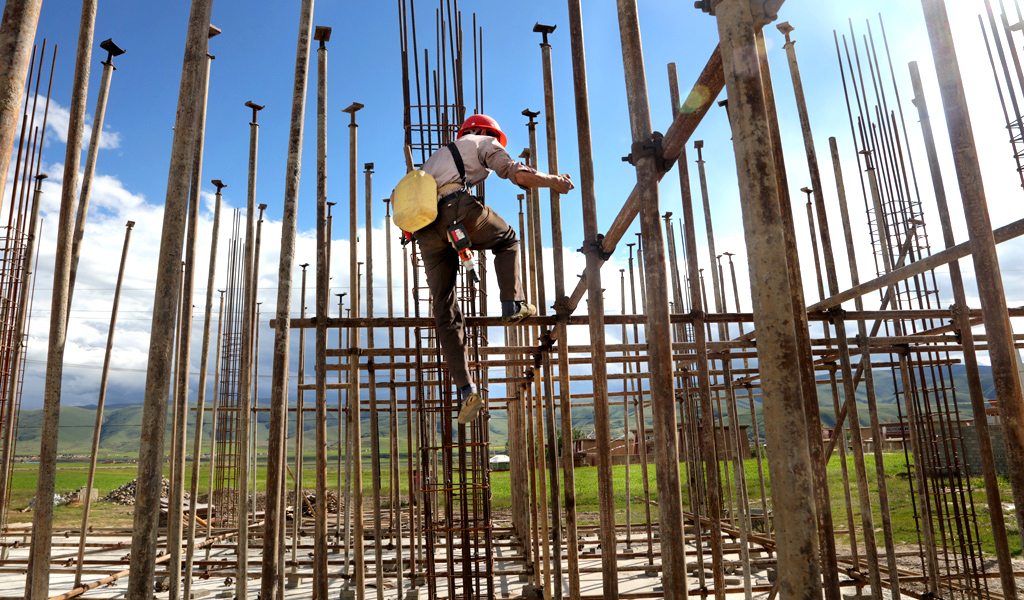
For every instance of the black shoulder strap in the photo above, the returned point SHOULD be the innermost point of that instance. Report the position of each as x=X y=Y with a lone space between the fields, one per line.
x=458 y=161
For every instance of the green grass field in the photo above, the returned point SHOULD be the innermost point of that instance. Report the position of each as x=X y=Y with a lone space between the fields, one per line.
x=72 y=475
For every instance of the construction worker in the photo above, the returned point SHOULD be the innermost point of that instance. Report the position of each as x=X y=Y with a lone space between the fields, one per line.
x=478 y=150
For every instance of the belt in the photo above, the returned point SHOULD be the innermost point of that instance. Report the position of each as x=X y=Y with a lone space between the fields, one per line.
x=448 y=191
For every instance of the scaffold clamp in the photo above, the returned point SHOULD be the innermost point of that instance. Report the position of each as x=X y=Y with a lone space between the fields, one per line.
x=561 y=307
x=653 y=147
x=596 y=245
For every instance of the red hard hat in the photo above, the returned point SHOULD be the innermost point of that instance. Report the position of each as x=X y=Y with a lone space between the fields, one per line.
x=486 y=123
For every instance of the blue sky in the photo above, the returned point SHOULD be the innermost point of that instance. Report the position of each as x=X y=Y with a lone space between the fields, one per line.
x=255 y=61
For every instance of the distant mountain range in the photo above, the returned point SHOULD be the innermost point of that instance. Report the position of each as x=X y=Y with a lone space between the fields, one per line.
x=122 y=422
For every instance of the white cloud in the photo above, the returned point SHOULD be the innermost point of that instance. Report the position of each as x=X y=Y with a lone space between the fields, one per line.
x=58 y=122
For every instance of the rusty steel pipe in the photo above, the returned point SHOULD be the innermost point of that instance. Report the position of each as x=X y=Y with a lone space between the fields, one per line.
x=158 y=378
x=299 y=420
x=698 y=145
x=245 y=366
x=38 y=577
x=322 y=297
x=750 y=399
x=700 y=449
x=561 y=328
x=595 y=308
x=839 y=322
x=825 y=525
x=17 y=33
x=662 y=387
x=641 y=419
x=270 y=567
x=812 y=416
x=986 y=262
x=175 y=523
x=354 y=413
x=799 y=574
x=204 y=356
x=90 y=479
x=90 y=164
x=374 y=421
x=541 y=384
x=213 y=411
x=256 y=347
x=393 y=463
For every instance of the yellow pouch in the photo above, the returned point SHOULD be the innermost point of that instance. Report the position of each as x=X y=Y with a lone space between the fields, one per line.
x=415 y=201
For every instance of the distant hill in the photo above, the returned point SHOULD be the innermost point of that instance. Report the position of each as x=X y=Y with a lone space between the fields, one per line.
x=122 y=422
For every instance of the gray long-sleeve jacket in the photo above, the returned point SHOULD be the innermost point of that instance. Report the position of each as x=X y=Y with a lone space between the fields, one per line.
x=481 y=154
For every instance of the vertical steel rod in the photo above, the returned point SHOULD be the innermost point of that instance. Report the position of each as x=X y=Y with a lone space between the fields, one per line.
x=175 y=523
x=374 y=414
x=966 y=333
x=103 y=391
x=393 y=462
x=799 y=574
x=850 y=404
x=700 y=335
x=355 y=403
x=245 y=370
x=658 y=319
x=269 y=589
x=204 y=356
x=300 y=428
x=322 y=35
x=90 y=170
x=20 y=19
x=158 y=378
x=213 y=414
x=38 y=577
x=19 y=342
x=561 y=328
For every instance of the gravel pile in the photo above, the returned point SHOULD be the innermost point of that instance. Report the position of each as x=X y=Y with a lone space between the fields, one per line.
x=125 y=495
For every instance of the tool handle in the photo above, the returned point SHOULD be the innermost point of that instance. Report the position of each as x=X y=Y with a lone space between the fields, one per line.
x=408 y=158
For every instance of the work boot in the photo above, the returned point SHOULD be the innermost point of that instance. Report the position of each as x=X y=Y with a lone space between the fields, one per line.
x=469 y=407
x=525 y=310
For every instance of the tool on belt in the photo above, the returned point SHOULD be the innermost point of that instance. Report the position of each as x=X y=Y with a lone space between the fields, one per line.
x=460 y=241
x=457 y=234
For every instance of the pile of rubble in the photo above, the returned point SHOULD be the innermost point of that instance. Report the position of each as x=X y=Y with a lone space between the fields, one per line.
x=311 y=500
x=125 y=495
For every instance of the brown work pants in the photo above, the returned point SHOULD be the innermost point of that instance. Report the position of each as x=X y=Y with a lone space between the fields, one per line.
x=487 y=231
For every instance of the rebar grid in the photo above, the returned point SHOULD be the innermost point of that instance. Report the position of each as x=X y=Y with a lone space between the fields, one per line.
x=227 y=437
x=713 y=377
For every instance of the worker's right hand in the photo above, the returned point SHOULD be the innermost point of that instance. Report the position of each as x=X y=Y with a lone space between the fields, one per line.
x=562 y=183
